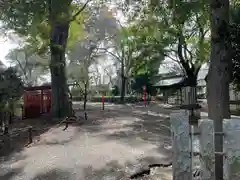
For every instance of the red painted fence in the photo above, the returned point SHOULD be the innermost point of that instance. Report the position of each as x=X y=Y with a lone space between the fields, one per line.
x=37 y=101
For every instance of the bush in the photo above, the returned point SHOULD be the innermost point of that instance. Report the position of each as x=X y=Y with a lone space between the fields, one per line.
x=77 y=98
x=117 y=99
x=115 y=91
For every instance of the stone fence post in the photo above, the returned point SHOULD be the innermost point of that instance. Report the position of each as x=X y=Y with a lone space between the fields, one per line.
x=231 y=129
x=181 y=146
x=207 y=156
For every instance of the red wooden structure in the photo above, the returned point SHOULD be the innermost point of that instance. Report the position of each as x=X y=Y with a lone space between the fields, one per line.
x=37 y=101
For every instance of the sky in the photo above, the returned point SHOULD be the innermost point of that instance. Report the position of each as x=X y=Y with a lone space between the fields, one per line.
x=5 y=47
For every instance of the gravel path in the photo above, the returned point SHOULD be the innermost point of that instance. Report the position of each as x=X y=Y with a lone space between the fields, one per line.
x=111 y=146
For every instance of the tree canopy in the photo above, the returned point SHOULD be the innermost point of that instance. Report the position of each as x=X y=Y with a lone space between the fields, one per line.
x=11 y=86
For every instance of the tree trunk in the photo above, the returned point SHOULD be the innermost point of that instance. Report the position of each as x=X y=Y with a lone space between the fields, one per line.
x=5 y=123
x=123 y=84
x=85 y=97
x=59 y=35
x=11 y=110
x=59 y=20
x=1 y=121
x=123 y=89
x=219 y=75
x=191 y=90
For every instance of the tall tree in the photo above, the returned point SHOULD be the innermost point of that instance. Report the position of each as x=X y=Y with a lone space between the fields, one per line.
x=122 y=50
x=28 y=64
x=54 y=17
x=82 y=56
x=219 y=75
x=178 y=31
x=59 y=16
x=11 y=89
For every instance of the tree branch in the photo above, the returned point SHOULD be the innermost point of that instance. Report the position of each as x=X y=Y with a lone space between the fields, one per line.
x=180 y=53
x=79 y=11
x=187 y=51
x=118 y=58
x=109 y=75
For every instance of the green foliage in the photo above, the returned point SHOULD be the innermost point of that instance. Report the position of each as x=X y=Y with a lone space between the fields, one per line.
x=141 y=81
x=176 y=30
x=147 y=55
x=11 y=86
x=28 y=64
x=115 y=91
x=77 y=91
x=117 y=99
x=30 y=20
x=23 y=16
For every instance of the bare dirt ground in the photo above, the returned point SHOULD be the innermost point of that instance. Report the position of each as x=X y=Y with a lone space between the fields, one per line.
x=111 y=145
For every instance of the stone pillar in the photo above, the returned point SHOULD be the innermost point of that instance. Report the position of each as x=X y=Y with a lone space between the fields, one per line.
x=206 y=140
x=195 y=149
x=231 y=129
x=181 y=145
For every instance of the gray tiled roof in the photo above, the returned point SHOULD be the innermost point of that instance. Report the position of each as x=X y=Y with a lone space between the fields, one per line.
x=174 y=79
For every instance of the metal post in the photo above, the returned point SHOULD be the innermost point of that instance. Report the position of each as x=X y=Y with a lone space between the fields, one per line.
x=191 y=151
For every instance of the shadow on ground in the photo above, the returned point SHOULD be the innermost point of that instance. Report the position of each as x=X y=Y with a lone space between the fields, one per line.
x=112 y=171
x=11 y=174
x=18 y=137
x=56 y=174
x=136 y=128
x=133 y=127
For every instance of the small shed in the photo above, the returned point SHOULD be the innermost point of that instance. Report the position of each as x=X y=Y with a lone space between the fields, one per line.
x=171 y=87
x=37 y=101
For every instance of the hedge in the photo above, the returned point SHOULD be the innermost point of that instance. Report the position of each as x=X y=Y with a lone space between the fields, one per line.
x=113 y=99
x=77 y=98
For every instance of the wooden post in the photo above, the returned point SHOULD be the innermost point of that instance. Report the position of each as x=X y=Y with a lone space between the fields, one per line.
x=181 y=146
x=207 y=157
x=231 y=129
x=30 y=135
x=5 y=120
x=102 y=102
x=42 y=102
x=11 y=111
x=22 y=109
x=145 y=96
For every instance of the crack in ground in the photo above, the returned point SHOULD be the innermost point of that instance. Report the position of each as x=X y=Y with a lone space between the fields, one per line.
x=147 y=171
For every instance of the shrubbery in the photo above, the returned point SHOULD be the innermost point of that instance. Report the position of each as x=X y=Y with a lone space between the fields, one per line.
x=113 y=99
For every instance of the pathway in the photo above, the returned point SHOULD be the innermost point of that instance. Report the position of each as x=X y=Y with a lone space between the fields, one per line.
x=111 y=145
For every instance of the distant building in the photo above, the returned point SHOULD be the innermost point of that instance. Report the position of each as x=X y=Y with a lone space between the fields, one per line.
x=175 y=85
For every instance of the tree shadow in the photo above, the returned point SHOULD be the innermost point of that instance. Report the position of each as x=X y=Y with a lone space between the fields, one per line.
x=58 y=136
x=134 y=128
x=116 y=171
x=128 y=127
x=18 y=137
x=56 y=174
x=10 y=174
x=112 y=170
